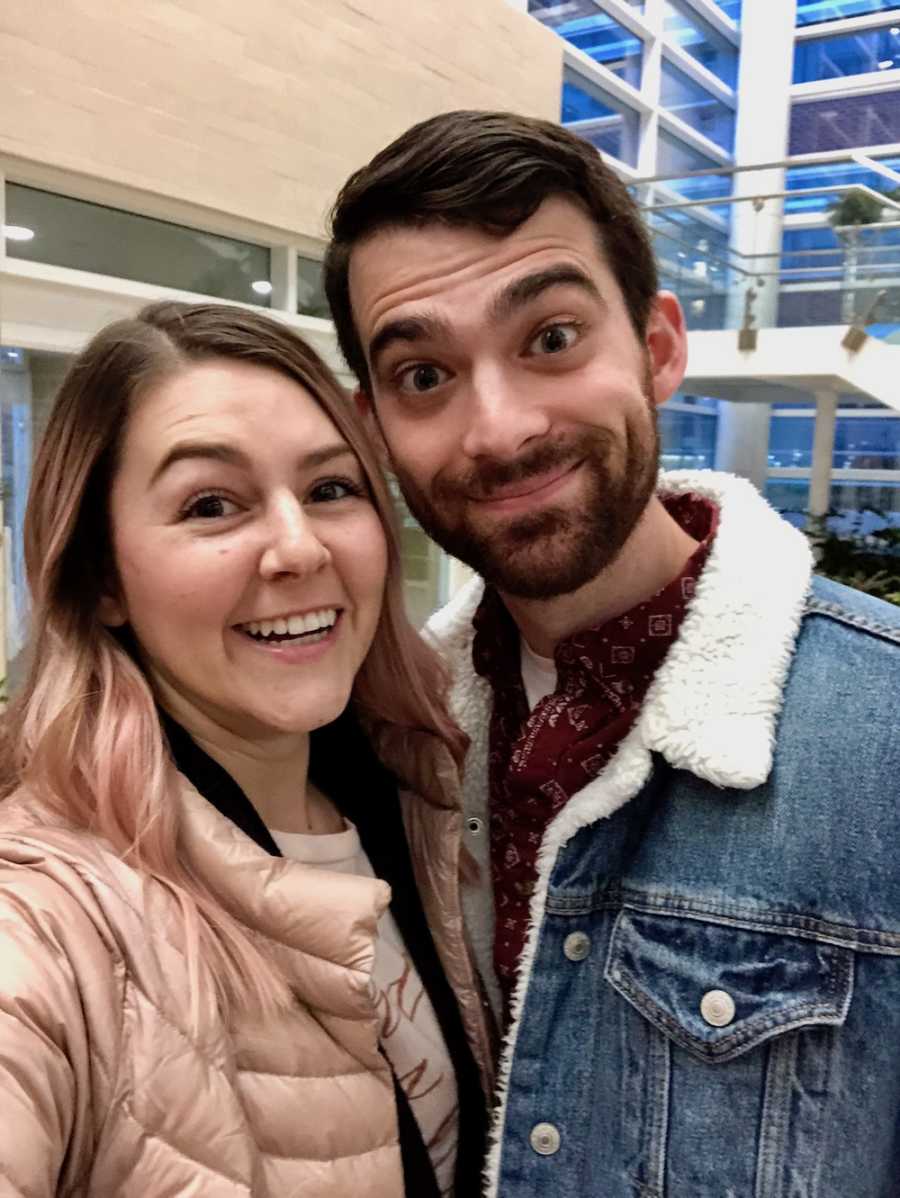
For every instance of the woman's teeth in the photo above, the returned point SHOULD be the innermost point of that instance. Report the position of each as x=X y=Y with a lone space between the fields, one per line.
x=312 y=627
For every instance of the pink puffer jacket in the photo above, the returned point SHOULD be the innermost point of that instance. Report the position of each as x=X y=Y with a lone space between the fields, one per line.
x=112 y=1086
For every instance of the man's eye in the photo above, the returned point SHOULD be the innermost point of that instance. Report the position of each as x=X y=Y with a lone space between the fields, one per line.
x=208 y=507
x=554 y=339
x=416 y=380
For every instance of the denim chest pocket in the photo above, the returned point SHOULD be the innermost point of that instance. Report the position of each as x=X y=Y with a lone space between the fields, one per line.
x=728 y=1043
x=720 y=990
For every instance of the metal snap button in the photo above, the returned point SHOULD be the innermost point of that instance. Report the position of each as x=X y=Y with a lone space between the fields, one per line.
x=474 y=825
x=544 y=1139
x=717 y=1008
x=577 y=945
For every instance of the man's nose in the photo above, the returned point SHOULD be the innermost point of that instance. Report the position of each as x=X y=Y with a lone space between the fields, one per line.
x=293 y=545
x=501 y=417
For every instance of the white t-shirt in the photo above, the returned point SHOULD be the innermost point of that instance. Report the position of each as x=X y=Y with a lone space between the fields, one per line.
x=410 y=1034
x=538 y=674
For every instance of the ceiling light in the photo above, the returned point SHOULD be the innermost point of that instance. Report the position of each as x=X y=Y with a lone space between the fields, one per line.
x=885 y=64
x=17 y=233
x=895 y=30
x=262 y=287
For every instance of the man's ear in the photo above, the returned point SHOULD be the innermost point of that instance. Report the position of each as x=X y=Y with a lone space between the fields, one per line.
x=366 y=408
x=666 y=341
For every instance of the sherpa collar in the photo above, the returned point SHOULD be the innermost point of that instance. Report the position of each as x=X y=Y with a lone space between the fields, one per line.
x=713 y=705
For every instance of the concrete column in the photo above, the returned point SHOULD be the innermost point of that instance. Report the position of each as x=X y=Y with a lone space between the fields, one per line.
x=761 y=134
x=742 y=440
x=823 y=458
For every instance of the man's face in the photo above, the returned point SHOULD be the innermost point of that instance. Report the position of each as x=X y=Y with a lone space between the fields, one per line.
x=516 y=402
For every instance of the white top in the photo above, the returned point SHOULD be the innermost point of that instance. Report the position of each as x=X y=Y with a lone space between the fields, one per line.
x=410 y=1034
x=538 y=674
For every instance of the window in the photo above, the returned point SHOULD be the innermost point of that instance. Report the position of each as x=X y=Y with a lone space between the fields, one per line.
x=684 y=98
x=697 y=38
x=675 y=156
x=593 y=114
x=108 y=241
x=860 y=53
x=311 y=299
x=602 y=38
x=845 y=123
x=811 y=12
x=801 y=178
x=687 y=439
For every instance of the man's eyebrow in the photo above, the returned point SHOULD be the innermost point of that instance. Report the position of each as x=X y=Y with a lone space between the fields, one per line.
x=407 y=329
x=520 y=292
x=231 y=455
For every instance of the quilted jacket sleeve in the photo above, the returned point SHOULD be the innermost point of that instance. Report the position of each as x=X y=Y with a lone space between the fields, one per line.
x=42 y=1038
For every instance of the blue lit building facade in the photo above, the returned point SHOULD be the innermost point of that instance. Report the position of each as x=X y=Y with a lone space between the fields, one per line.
x=656 y=86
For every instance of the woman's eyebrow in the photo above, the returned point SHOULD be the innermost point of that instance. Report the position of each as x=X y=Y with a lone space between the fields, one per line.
x=231 y=455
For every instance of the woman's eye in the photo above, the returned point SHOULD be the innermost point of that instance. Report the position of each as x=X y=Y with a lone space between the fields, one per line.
x=416 y=380
x=209 y=507
x=554 y=339
x=335 y=488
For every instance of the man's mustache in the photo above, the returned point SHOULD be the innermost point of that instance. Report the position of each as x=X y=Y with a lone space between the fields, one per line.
x=488 y=475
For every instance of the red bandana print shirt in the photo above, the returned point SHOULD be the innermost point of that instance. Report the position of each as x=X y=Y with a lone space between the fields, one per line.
x=538 y=760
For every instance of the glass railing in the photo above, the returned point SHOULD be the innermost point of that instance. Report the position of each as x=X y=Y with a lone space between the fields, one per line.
x=840 y=266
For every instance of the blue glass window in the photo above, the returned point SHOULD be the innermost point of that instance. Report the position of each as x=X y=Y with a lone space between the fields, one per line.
x=860 y=442
x=108 y=241
x=673 y=156
x=860 y=53
x=811 y=12
x=828 y=174
x=687 y=439
x=731 y=8
x=684 y=98
x=845 y=123
x=603 y=39
x=603 y=121
x=701 y=41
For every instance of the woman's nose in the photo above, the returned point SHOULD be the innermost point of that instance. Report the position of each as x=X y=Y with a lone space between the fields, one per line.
x=293 y=545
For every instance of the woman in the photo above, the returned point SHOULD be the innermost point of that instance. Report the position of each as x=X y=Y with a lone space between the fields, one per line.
x=201 y=990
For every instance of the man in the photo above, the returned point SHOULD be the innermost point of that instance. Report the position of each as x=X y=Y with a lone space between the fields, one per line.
x=684 y=769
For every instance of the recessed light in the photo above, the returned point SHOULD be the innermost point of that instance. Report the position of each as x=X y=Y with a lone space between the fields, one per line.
x=895 y=30
x=885 y=64
x=17 y=233
x=262 y=287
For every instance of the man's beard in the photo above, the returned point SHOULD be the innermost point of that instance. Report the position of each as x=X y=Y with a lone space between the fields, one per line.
x=555 y=550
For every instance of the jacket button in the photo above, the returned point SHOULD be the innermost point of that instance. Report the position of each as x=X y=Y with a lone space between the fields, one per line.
x=577 y=945
x=544 y=1139
x=474 y=825
x=717 y=1008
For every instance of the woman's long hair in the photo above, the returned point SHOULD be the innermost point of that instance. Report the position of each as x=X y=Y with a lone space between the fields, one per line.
x=83 y=732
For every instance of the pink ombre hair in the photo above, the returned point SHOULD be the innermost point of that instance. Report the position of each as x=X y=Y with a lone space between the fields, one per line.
x=83 y=733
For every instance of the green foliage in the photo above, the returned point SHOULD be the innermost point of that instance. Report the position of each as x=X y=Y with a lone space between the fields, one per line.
x=870 y=563
x=855 y=207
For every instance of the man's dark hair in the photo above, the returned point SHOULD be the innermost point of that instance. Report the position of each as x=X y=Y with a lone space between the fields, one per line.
x=489 y=170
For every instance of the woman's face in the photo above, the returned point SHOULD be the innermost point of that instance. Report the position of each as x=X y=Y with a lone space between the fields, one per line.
x=250 y=560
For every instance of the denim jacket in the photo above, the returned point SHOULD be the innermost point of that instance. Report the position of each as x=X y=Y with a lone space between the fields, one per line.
x=708 y=1004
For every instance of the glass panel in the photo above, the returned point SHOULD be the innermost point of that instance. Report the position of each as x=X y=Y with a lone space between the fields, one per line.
x=878 y=501
x=602 y=38
x=674 y=156
x=594 y=115
x=687 y=439
x=860 y=442
x=701 y=41
x=810 y=12
x=830 y=174
x=108 y=241
x=731 y=8
x=684 y=98
x=693 y=262
x=858 y=53
x=311 y=299
x=845 y=123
